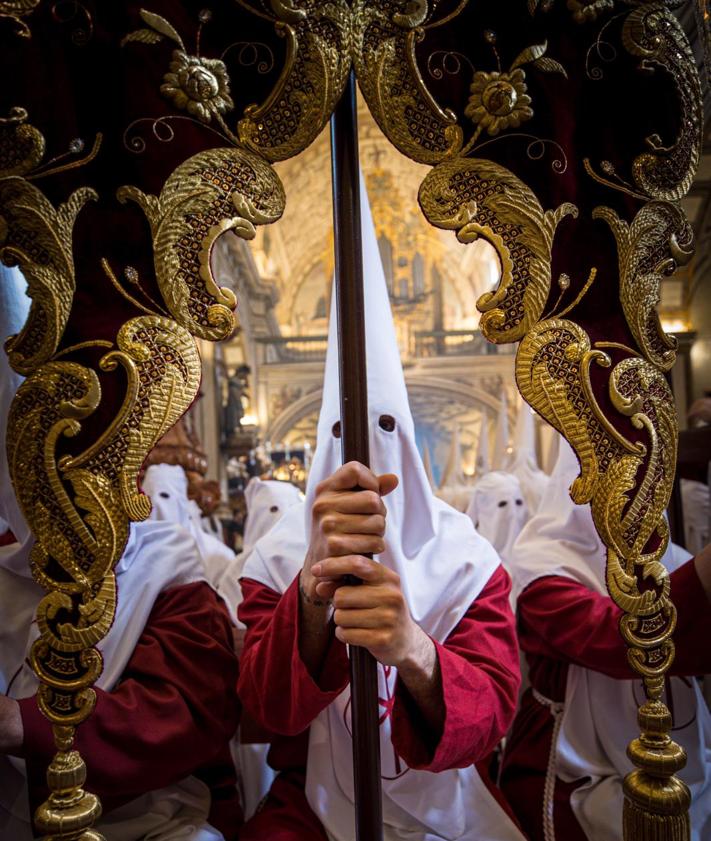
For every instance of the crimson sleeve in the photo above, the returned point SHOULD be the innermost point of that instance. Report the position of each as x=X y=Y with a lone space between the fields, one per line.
x=172 y=713
x=562 y=619
x=480 y=678
x=275 y=686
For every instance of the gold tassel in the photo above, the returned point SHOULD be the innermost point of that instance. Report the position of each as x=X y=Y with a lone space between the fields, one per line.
x=639 y=825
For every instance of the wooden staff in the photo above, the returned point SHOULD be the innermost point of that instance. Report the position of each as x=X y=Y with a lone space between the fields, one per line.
x=350 y=313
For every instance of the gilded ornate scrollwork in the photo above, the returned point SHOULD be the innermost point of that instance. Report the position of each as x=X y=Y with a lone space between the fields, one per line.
x=318 y=37
x=612 y=403
x=15 y=10
x=658 y=240
x=213 y=192
x=79 y=509
x=38 y=238
x=384 y=57
x=652 y=33
x=481 y=199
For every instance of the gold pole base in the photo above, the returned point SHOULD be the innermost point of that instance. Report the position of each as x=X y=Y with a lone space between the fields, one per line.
x=69 y=812
x=656 y=808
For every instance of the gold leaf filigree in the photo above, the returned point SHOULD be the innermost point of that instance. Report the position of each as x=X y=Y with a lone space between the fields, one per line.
x=479 y=198
x=658 y=240
x=318 y=39
x=652 y=33
x=385 y=36
x=22 y=146
x=38 y=237
x=212 y=192
x=15 y=10
x=79 y=506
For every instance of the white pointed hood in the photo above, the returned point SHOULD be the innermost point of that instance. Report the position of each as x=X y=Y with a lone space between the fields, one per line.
x=427 y=463
x=443 y=565
x=167 y=487
x=499 y=511
x=561 y=539
x=453 y=475
x=524 y=460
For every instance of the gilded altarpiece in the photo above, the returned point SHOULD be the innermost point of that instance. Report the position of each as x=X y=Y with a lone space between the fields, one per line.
x=133 y=136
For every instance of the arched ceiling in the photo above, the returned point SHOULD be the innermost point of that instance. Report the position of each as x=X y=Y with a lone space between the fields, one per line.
x=296 y=253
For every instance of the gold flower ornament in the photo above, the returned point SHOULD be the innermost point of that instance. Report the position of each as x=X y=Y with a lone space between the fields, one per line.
x=499 y=99
x=200 y=86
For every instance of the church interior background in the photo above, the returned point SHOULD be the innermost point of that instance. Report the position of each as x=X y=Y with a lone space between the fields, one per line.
x=261 y=389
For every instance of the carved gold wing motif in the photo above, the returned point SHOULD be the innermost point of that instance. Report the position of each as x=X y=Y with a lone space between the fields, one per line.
x=610 y=400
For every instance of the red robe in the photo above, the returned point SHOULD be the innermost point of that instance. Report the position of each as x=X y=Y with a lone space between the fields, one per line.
x=562 y=622
x=480 y=679
x=171 y=715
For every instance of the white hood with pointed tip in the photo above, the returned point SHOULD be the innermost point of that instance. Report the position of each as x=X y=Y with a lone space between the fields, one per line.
x=443 y=565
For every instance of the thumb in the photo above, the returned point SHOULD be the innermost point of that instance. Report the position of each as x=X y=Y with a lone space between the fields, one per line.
x=387 y=483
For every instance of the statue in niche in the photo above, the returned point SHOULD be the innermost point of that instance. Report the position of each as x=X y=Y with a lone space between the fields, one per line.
x=233 y=411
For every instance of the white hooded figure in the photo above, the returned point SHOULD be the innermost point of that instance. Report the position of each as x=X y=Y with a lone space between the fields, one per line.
x=599 y=717
x=443 y=566
x=524 y=462
x=502 y=449
x=167 y=487
x=157 y=556
x=499 y=511
x=453 y=488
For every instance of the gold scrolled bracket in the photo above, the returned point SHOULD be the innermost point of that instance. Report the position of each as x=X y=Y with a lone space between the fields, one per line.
x=209 y=194
x=384 y=39
x=481 y=199
x=318 y=60
x=38 y=238
x=653 y=34
x=81 y=535
x=15 y=10
x=552 y=372
x=658 y=240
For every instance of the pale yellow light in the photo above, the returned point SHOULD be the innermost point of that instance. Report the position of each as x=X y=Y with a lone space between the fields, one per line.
x=250 y=420
x=674 y=325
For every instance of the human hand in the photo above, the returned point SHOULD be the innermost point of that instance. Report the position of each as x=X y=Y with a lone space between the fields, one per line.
x=345 y=522
x=374 y=614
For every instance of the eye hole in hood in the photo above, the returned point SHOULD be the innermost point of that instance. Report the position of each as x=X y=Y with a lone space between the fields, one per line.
x=387 y=422
x=336 y=429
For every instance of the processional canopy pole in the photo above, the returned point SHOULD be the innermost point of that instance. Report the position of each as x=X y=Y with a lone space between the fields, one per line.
x=354 y=435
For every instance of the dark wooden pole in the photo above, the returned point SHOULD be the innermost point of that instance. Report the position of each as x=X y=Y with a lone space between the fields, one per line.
x=354 y=437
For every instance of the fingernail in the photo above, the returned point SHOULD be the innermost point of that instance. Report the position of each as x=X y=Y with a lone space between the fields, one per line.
x=316 y=570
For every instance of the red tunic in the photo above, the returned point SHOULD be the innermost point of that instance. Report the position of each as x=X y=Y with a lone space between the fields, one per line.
x=562 y=622
x=171 y=715
x=480 y=679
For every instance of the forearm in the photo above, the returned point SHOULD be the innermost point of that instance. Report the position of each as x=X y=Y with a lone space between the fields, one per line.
x=421 y=675
x=315 y=628
x=276 y=686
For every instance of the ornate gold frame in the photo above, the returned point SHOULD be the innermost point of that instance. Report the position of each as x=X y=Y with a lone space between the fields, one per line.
x=79 y=507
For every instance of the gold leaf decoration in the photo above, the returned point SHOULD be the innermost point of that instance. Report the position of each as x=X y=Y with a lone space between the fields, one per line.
x=652 y=33
x=318 y=47
x=481 y=199
x=38 y=237
x=22 y=147
x=15 y=10
x=213 y=192
x=391 y=82
x=658 y=240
